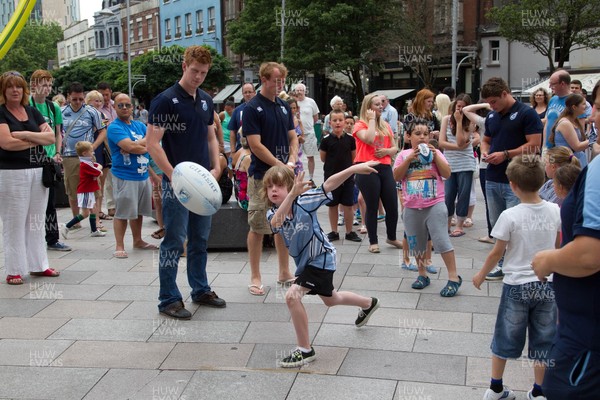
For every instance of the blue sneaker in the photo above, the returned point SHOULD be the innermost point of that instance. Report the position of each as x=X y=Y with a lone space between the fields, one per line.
x=410 y=266
x=495 y=275
x=58 y=246
x=431 y=269
x=381 y=218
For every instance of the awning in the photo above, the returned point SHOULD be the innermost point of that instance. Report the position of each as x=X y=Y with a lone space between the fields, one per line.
x=227 y=91
x=393 y=93
x=238 y=97
x=588 y=81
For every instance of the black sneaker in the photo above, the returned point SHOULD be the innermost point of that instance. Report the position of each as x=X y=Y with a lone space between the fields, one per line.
x=312 y=184
x=298 y=358
x=364 y=315
x=353 y=237
x=495 y=275
x=176 y=310
x=210 y=299
x=333 y=236
x=58 y=246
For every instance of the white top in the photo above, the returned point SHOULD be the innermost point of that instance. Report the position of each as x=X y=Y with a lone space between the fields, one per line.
x=308 y=109
x=528 y=229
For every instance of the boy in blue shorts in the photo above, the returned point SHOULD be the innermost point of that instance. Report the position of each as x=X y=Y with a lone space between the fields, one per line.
x=295 y=217
x=526 y=302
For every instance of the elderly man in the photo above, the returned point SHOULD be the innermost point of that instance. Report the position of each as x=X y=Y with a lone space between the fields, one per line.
x=560 y=82
x=131 y=187
x=309 y=113
x=389 y=114
x=235 y=123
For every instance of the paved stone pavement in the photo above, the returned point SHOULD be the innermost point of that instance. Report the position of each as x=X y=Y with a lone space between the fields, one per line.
x=95 y=332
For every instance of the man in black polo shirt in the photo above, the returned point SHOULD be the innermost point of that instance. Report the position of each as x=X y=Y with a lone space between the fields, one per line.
x=268 y=126
x=512 y=128
x=182 y=118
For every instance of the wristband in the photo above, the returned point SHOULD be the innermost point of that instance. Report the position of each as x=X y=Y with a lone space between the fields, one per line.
x=291 y=164
x=506 y=155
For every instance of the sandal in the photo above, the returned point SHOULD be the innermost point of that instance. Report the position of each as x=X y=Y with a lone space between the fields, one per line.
x=457 y=233
x=486 y=239
x=362 y=230
x=421 y=283
x=453 y=221
x=256 y=290
x=374 y=248
x=120 y=254
x=468 y=223
x=451 y=288
x=48 y=272
x=287 y=282
x=107 y=217
x=396 y=243
x=14 y=280
x=159 y=234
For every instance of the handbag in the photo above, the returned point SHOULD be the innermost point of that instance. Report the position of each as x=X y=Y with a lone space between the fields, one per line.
x=107 y=157
x=51 y=173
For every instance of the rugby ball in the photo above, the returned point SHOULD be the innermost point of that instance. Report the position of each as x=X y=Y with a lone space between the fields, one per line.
x=425 y=154
x=196 y=188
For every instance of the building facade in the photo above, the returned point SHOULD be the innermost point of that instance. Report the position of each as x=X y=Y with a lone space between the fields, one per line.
x=79 y=42
x=108 y=35
x=190 y=22
x=63 y=12
x=143 y=28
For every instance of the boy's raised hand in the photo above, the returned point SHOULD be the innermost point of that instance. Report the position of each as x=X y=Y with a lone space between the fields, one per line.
x=366 y=167
x=478 y=279
x=300 y=185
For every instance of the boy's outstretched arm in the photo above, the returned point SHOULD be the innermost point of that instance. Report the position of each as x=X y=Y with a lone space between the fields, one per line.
x=490 y=262
x=334 y=181
x=300 y=186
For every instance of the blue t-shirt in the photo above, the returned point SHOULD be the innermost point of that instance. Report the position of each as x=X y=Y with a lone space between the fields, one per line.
x=272 y=121
x=137 y=170
x=306 y=241
x=578 y=299
x=509 y=131
x=235 y=123
x=185 y=120
x=85 y=122
x=556 y=105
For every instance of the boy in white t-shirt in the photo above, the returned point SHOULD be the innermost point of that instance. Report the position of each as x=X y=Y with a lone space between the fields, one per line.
x=528 y=304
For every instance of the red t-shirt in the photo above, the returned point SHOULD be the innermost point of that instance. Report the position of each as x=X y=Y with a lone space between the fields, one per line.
x=366 y=152
x=88 y=177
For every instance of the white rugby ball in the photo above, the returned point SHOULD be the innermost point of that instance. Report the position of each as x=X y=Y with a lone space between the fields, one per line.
x=196 y=188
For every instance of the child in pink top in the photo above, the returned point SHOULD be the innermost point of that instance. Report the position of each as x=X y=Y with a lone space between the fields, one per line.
x=420 y=172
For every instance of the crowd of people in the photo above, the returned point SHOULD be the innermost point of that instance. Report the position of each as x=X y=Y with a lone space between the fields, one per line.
x=534 y=163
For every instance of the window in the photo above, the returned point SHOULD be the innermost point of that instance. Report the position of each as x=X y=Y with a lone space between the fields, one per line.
x=150 y=28
x=62 y=53
x=188 y=24
x=178 y=26
x=494 y=52
x=68 y=52
x=167 y=29
x=557 y=48
x=101 y=40
x=116 y=30
x=230 y=9
x=211 y=19
x=130 y=29
x=96 y=38
x=140 y=31
x=199 y=22
x=110 y=37
x=82 y=47
x=91 y=44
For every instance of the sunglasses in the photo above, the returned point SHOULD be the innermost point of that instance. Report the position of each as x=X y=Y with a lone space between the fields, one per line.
x=12 y=73
x=124 y=105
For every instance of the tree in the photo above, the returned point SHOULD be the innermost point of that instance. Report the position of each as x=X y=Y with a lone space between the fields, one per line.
x=344 y=36
x=34 y=47
x=553 y=27
x=91 y=72
x=163 y=68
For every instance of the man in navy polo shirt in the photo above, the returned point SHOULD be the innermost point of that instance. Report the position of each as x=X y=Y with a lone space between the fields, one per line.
x=268 y=125
x=575 y=356
x=512 y=128
x=235 y=123
x=182 y=118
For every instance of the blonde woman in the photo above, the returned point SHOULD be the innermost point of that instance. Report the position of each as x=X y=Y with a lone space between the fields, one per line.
x=375 y=142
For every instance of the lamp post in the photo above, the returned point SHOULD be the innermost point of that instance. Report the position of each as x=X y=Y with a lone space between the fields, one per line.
x=128 y=50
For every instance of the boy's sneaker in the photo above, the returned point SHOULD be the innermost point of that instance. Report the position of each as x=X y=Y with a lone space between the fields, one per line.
x=495 y=275
x=341 y=220
x=357 y=215
x=530 y=396
x=64 y=231
x=333 y=236
x=98 y=233
x=353 y=237
x=298 y=358
x=506 y=394
x=58 y=246
x=355 y=222
x=364 y=315
x=381 y=218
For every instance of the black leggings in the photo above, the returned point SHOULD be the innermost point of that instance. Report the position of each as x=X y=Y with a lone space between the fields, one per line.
x=380 y=186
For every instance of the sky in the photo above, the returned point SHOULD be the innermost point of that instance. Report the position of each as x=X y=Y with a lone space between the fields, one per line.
x=88 y=8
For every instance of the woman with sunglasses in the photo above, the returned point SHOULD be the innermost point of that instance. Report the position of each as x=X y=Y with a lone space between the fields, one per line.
x=23 y=198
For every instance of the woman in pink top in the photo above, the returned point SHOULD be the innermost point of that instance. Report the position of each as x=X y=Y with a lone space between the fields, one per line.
x=420 y=169
x=375 y=142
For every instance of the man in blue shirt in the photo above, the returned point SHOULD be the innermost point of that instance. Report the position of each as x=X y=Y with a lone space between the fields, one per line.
x=389 y=114
x=182 y=118
x=512 y=128
x=560 y=84
x=235 y=123
x=131 y=187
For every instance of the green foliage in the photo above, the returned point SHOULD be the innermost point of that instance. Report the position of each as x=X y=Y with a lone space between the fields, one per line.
x=91 y=72
x=34 y=47
x=547 y=24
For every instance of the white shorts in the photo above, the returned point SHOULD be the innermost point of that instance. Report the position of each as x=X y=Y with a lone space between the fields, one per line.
x=86 y=200
x=309 y=147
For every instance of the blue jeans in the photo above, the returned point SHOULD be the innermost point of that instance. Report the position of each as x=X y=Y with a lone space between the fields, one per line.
x=459 y=184
x=179 y=223
x=499 y=198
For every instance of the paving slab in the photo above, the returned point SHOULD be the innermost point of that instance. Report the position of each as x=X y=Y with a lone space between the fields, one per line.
x=171 y=330
x=341 y=387
x=130 y=293
x=22 y=307
x=29 y=328
x=274 y=332
x=167 y=385
x=268 y=356
x=32 y=353
x=456 y=343
x=83 y=309
x=61 y=291
x=105 y=330
x=195 y=356
x=470 y=304
x=367 y=337
x=121 y=384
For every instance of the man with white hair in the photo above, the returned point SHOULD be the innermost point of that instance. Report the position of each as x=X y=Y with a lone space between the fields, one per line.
x=389 y=114
x=336 y=104
x=309 y=113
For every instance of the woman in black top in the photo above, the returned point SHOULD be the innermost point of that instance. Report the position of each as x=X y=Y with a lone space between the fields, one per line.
x=23 y=198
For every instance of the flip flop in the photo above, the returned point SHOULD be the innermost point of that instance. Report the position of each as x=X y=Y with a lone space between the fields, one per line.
x=48 y=272
x=468 y=223
x=120 y=254
x=288 y=282
x=147 y=246
x=374 y=248
x=486 y=239
x=256 y=290
x=396 y=243
x=159 y=234
x=14 y=280
x=457 y=233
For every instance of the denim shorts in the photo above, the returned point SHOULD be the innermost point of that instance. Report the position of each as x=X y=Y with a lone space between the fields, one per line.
x=529 y=307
